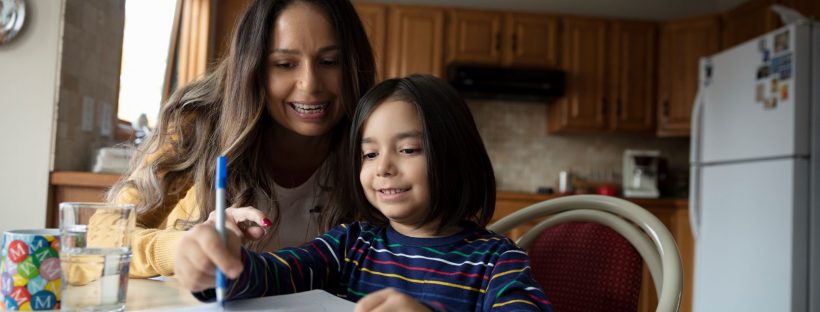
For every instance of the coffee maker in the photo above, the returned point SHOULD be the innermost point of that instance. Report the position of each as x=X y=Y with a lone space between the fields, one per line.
x=641 y=173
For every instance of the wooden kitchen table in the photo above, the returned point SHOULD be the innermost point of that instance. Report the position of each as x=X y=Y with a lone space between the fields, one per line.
x=148 y=294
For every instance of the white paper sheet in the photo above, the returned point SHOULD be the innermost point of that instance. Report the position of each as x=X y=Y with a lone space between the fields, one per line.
x=314 y=300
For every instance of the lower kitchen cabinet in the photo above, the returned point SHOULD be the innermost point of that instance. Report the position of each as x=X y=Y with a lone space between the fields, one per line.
x=69 y=186
x=672 y=212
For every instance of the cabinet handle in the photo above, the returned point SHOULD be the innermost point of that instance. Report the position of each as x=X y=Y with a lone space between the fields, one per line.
x=498 y=41
x=514 y=43
x=665 y=109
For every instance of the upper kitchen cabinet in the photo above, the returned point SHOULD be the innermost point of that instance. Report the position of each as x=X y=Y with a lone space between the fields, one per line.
x=809 y=8
x=749 y=20
x=632 y=76
x=610 y=77
x=683 y=43
x=415 y=41
x=474 y=37
x=583 y=108
x=373 y=18
x=497 y=38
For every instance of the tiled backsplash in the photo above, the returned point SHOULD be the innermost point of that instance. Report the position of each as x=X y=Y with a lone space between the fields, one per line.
x=89 y=81
x=526 y=157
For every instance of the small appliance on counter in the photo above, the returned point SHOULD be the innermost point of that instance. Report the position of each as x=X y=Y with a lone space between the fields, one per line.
x=640 y=175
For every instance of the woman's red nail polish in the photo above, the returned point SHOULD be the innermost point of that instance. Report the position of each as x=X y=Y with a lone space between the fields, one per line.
x=266 y=222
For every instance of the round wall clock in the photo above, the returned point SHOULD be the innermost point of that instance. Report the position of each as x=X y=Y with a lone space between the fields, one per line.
x=12 y=17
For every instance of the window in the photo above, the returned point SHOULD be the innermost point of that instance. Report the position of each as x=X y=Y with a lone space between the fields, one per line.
x=146 y=43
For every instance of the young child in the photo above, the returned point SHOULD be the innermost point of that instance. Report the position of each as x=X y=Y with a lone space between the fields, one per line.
x=427 y=190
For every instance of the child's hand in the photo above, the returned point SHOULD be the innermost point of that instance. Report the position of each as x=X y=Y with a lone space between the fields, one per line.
x=200 y=251
x=389 y=299
x=235 y=216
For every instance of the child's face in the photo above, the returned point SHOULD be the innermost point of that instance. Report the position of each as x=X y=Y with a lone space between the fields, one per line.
x=394 y=166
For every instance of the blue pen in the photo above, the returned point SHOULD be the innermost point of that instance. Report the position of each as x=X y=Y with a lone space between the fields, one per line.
x=221 y=177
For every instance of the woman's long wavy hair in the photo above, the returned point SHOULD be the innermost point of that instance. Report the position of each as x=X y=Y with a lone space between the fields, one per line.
x=226 y=113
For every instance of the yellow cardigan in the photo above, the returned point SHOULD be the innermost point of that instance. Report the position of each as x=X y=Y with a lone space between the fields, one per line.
x=153 y=249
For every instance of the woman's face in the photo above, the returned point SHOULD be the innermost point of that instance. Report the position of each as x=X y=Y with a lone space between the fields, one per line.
x=303 y=72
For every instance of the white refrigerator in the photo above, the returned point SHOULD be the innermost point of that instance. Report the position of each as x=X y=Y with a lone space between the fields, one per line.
x=755 y=145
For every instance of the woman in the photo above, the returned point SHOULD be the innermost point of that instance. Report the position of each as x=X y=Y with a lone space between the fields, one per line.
x=278 y=106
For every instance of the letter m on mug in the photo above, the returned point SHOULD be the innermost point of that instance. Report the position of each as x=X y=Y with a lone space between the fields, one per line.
x=18 y=251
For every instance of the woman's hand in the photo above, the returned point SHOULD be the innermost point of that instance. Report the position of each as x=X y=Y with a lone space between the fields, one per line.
x=389 y=299
x=258 y=220
x=201 y=250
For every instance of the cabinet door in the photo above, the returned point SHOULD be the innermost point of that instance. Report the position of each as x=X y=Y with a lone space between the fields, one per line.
x=474 y=37
x=683 y=43
x=632 y=77
x=415 y=39
x=747 y=21
x=373 y=19
x=533 y=40
x=584 y=104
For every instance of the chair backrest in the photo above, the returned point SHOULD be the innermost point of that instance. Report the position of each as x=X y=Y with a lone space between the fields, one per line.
x=650 y=238
x=587 y=267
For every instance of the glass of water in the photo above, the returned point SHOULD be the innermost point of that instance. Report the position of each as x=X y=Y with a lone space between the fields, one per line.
x=95 y=254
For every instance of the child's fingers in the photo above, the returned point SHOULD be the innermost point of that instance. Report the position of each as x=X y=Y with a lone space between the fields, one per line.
x=372 y=301
x=216 y=252
x=191 y=264
x=389 y=300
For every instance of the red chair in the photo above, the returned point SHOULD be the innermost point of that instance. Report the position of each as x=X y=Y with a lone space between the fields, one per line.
x=587 y=254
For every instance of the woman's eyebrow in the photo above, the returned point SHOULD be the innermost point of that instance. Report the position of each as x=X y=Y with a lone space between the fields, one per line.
x=297 y=52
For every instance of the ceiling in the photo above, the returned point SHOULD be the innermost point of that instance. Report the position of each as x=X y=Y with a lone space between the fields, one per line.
x=633 y=9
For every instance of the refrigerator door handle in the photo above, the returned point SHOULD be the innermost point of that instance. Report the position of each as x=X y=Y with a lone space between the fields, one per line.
x=694 y=163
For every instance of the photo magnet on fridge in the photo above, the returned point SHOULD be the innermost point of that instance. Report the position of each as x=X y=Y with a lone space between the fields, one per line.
x=770 y=103
x=784 y=91
x=763 y=71
x=760 y=93
x=781 y=42
x=782 y=66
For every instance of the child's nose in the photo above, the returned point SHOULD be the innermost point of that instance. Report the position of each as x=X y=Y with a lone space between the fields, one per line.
x=385 y=167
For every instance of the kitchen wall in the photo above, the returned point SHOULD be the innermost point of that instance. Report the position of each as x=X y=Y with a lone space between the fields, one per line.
x=526 y=157
x=89 y=81
x=28 y=81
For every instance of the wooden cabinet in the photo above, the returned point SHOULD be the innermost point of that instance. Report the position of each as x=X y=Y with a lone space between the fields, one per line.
x=682 y=45
x=474 y=37
x=749 y=20
x=533 y=40
x=495 y=38
x=415 y=41
x=373 y=18
x=610 y=77
x=672 y=212
x=583 y=57
x=809 y=8
x=632 y=76
x=68 y=186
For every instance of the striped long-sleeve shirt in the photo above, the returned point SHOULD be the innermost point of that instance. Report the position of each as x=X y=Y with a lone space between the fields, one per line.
x=474 y=270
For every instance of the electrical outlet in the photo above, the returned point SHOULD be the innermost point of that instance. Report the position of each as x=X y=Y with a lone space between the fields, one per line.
x=106 y=119
x=87 y=124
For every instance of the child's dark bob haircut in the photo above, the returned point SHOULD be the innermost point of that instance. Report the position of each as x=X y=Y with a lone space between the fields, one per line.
x=459 y=172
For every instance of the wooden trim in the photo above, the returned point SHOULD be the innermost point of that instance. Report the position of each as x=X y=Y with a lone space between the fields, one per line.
x=170 y=62
x=89 y=179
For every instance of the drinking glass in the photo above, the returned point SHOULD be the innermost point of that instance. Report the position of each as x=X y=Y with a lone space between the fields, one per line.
x=95 y=255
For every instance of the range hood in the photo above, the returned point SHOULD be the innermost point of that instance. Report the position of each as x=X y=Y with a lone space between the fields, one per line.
x=493 y=82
